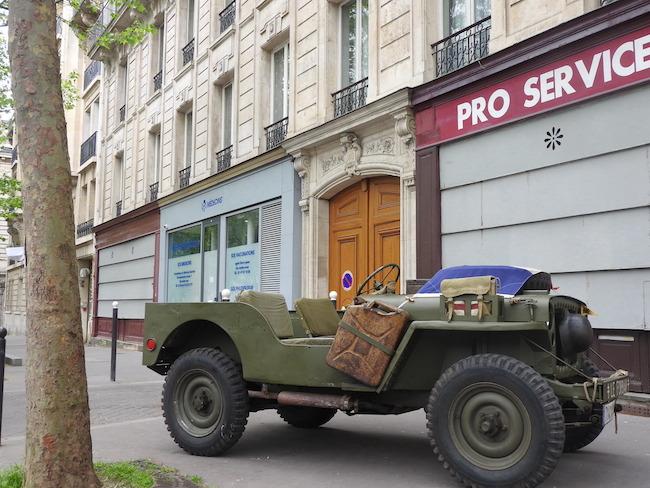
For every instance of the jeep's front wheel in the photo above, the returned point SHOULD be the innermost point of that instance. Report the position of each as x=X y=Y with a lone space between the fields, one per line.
x=205 y=402
x=494 y=421
x=306 y=417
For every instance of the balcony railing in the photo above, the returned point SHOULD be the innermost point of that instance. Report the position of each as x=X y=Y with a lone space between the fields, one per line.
x=122 y=113
x=276 y=133
x=463 y=47
x=157 y=81
x=227 y=17
x=350 y=98
x=14 y=155
x=153 y=192
x=85 y=228
x=88 y=148
x=118 y=208
x=223 y=159
x=188 y=52
x=91 y=72
x=184 y=177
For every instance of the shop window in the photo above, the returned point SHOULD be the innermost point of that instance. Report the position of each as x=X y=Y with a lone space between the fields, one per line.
x=354 y=41
x=211 y=260
x=184 y=265
x=243 y=252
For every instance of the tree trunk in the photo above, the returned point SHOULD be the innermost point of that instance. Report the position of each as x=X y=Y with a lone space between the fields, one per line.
x=58 y=445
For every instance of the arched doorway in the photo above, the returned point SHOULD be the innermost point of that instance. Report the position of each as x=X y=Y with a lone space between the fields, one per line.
x=364 y=233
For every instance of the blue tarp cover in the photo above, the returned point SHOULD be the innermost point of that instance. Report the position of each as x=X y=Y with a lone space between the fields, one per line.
x=510 y=279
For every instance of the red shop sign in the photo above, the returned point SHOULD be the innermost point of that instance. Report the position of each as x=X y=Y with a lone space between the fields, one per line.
x=615 y=64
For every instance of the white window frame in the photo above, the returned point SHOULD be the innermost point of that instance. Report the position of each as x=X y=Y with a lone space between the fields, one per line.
x=157 y=156
x=471 y=9
x=224 y=111
x=188 y=139
x=190 y=20
x=285 y=85
x=161 y=48
x=358 y=69
x=119 y=194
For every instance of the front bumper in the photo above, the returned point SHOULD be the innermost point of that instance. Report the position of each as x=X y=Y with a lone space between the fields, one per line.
x=594 y=390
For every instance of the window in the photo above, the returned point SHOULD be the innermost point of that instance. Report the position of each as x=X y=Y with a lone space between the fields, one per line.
x=243 y=252
x=118 y=179
x=155 y=156
x=161 y=47
x=158 y=57
x=190 y=21
x=226 y=121
x=188 y=143
x=123 y=82
x=184 y=265
x=463 y=13
x=211 y=260
x=280 y=84
x=354 y=41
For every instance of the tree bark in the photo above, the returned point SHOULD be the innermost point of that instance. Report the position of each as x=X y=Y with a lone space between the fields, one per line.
x=58 y=445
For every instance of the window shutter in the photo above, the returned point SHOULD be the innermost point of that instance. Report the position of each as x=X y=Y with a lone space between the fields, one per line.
x=270 y=244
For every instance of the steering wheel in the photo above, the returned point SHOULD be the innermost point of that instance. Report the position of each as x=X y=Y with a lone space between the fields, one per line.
x=378 y=286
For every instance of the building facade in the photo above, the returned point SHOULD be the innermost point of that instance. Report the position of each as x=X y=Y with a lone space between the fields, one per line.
x=539 y=156
x=222 y=93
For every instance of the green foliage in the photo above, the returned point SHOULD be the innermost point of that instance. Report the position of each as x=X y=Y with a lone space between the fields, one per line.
x=11 y=477
x=127 y=475
x=11 y=203
x=69 y=90
x=130 y=36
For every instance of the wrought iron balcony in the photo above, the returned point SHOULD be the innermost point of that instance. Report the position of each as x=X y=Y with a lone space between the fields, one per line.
x=152 y=196
x=276 y=133
x=122 y=113
x=227 y=17
x=85 y=228
x=91 y=72
x=157 y=81
x=118 y=208
x=14 y=155
x=184 y=177
x=463 y=47
x=223 y=159
x=188 y=52
x=350 y=98
x=88 y=148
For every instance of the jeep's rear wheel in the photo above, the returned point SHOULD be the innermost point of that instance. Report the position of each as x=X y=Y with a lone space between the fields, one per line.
x=205 y=402
x=306 y=417
x=579 y=437
x=494 y=421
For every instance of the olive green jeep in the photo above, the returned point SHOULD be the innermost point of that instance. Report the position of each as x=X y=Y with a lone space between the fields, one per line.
x=496 y=360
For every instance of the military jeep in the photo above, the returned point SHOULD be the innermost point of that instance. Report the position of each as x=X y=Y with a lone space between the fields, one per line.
x=496 y=360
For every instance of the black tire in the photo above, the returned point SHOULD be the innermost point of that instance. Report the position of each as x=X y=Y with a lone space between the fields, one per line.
x=306 y=417
x=579 y=437
x=205 y=402
x=496 y=405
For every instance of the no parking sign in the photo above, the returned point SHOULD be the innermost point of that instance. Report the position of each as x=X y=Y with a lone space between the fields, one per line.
x=347 y=279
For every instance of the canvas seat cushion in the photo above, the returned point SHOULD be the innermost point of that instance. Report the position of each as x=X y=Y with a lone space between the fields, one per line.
x=319 y=316
x=273 y=308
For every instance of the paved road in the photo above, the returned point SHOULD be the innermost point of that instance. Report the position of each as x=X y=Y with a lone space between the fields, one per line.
x=364 y=451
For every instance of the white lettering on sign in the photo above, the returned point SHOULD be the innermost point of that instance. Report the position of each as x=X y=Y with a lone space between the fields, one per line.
x=630 y=57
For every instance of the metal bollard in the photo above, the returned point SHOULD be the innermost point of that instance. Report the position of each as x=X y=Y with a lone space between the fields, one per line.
x=114 y=341
x=3 y=346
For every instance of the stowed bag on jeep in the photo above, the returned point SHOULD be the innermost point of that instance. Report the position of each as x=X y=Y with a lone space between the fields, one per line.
x=366 y=339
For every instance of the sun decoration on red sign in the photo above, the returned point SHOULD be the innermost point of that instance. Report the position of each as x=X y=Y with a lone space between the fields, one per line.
x=554 y=138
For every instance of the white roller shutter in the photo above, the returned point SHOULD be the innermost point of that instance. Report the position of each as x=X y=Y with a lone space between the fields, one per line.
x=270 y=237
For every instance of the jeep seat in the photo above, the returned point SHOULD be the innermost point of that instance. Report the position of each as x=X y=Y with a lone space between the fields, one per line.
x=319 y=316
x=273 y=308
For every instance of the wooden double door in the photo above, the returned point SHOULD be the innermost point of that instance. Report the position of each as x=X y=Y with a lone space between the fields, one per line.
x=364 y=233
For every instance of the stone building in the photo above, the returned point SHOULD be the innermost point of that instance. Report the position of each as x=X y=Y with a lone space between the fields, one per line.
x=270 y=144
